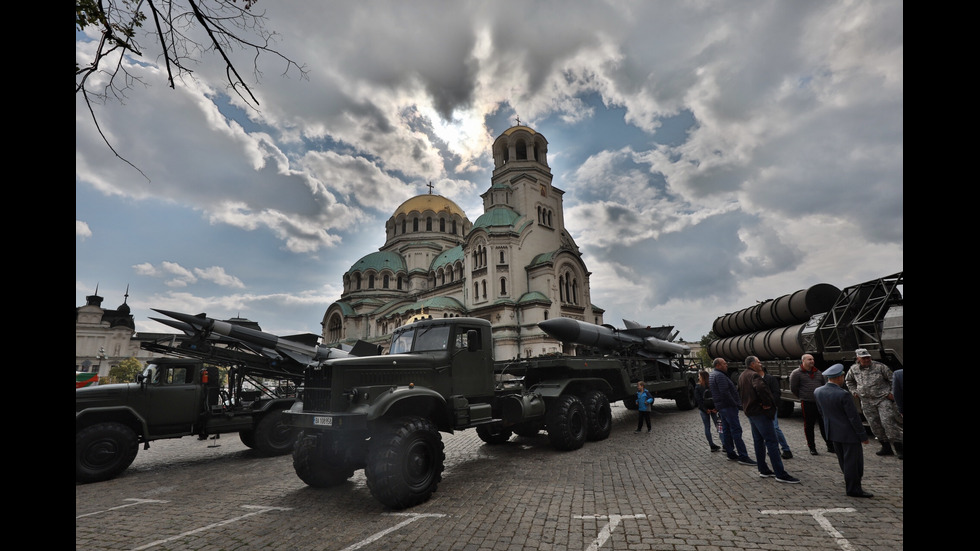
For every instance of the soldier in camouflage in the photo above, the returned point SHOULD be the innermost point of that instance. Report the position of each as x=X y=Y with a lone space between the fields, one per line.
x=872 y=382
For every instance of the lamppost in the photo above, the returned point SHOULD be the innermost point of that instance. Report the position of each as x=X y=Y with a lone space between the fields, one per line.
x=101 y=357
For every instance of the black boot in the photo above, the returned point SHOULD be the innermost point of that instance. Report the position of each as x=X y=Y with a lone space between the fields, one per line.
x=899 y=450
x=886 y=449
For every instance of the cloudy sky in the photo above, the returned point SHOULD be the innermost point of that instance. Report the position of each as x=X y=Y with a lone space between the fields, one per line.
x=713 y=153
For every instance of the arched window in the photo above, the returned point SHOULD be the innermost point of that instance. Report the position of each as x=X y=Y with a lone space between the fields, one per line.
x=574 y=291
x=501 y=257
x=428 y=223
x=484 y=282
x=549 y=218
x=561 y=288
x=415 y=224
x=476 y=291
x=442 y=225
x=357 y=281
x=503 y=286
x=454 y=227
x=403 y=226
x=546 y=315
x=399 y=283
x=385 y=283
x=521 y=150
x=371 y=281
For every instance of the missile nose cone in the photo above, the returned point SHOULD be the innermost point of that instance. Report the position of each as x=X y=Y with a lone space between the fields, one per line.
x=563 y=329
x=197 y=322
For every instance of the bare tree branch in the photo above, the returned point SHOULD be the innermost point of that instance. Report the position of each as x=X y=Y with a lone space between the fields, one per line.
x=229 y=26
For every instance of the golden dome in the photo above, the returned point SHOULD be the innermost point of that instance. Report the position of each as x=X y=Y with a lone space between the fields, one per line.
x=435 y=203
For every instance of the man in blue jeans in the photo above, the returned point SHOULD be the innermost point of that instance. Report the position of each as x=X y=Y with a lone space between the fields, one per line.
x=760 y=408
x=725 y=395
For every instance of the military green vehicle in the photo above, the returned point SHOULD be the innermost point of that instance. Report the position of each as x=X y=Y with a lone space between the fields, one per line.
x=384 y=414
x=173 y=398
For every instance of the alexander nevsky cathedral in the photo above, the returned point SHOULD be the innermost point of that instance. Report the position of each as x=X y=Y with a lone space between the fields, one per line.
x=515 y=266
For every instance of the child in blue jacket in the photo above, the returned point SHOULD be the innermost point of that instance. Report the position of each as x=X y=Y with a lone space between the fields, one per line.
x=644 y=402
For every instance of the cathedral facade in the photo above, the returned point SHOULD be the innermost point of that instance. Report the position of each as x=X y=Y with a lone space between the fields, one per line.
x=514 y=266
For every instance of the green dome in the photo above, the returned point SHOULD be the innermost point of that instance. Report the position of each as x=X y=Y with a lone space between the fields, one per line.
x=497 y=217
x=379 y=261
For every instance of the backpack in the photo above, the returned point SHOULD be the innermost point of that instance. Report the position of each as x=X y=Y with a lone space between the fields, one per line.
x=709 y=402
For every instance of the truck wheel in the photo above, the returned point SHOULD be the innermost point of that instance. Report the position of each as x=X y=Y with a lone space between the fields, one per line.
x=685 y=399
x=273 y=436
x=630 y=403
x=529 y=430
x=493 y=434
x=247 y=437
x=313 y=469
x=103 y=451
x=566 y=422
x=405 y=462
x=599 y=415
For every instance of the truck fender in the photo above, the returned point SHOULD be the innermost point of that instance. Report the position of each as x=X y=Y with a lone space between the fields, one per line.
x=404 y=400
x=121 y=414
x=278 y=404
x=554 y=388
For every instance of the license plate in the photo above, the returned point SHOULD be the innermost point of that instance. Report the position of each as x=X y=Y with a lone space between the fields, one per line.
x=324 y=421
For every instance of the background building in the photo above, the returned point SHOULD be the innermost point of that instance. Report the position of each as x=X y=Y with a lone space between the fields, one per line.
x=515 y=266
x=104 y=337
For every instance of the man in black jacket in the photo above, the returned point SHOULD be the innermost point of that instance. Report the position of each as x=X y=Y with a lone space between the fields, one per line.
x=759 y=406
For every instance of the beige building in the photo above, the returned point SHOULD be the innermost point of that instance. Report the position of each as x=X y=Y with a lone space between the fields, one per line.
x=105 y=337
x=514 y=266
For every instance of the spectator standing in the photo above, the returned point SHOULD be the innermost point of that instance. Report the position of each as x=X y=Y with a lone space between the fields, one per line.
x=802 y=382
x=871 y=381
x=844 y=428
x=709 y=415
x=898 y=392
x=644 y=403
x=759 y=407
x=727 y=402
x=773 y=383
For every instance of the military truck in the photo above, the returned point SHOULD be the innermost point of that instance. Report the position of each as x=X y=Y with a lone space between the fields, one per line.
x=384 y=414
x=182 y=395
x=823 y=321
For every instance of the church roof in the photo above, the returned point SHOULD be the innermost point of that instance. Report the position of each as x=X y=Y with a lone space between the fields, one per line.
x=448 y=257
x=497 y=217
x=379 y=261
x=435 y=203
x=533 y=296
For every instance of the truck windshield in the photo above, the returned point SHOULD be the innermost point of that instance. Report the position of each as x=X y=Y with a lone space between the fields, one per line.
x=421 y=340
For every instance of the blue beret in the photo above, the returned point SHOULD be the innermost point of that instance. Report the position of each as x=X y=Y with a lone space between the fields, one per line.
x=834 y=371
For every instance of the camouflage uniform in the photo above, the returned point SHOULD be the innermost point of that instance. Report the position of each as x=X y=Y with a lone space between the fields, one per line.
x=873 y=385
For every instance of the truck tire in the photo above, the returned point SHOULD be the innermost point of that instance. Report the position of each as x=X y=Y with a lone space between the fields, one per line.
x=313 y=469
x=247 y=437
x=566 y=422
x=599 y=415
x=273 y=436
x=104 y=450
x=685 y=399
x=630 y=403
x=405 y=462
x=529 y=429
x=493 y=434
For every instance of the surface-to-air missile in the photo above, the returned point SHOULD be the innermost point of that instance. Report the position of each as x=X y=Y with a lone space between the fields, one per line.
x=264 y=343
x=637 y=339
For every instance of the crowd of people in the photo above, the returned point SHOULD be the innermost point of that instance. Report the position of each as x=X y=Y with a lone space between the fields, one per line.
x=827 y=400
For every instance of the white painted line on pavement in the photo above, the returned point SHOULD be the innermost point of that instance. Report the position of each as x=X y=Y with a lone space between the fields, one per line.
x=412 y=518
x=607 y=528
x=260 y=510
x=138 y=502
x=818 y=515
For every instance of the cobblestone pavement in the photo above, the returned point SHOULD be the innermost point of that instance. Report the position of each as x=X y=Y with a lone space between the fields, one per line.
x=661 y=490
